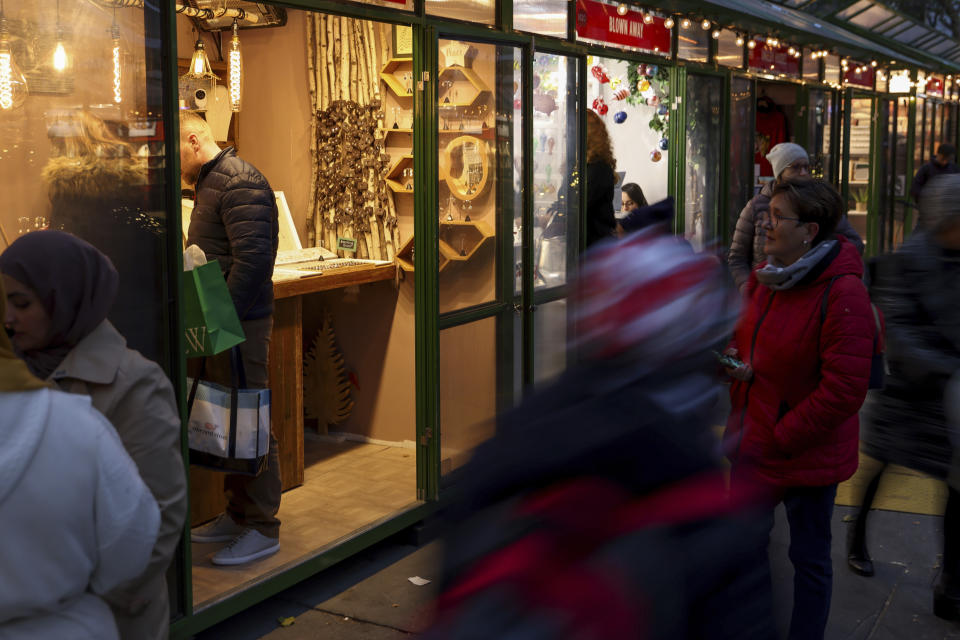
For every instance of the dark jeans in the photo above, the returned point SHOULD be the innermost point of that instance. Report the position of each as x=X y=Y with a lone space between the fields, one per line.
x=253 y=501
x=951 y=542
x=809 y=511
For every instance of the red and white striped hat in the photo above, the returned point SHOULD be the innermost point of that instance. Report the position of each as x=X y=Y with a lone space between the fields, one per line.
x=650 y=296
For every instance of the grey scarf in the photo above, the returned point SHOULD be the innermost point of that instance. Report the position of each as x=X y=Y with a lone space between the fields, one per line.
x=779 y=278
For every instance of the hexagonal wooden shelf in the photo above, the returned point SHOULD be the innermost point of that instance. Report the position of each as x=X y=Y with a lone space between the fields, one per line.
x=395 y=174
x=405 y=256
x=388 y=75
x=455 y=74
x=460 y=240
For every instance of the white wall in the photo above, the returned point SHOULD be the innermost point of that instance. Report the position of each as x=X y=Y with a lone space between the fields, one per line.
x=633 y=140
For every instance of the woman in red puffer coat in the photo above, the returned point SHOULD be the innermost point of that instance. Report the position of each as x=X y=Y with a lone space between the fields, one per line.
x=793 y=424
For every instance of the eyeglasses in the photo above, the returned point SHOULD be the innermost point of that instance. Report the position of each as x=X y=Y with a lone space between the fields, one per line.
x=774 y=221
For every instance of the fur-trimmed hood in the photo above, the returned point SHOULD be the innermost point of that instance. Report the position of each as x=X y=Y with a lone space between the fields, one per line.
x=91 y=176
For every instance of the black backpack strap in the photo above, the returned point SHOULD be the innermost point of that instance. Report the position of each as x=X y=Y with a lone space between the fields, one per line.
x=826 y=299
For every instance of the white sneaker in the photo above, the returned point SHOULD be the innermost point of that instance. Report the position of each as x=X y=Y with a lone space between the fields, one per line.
x=248 y=546
x=223 y=529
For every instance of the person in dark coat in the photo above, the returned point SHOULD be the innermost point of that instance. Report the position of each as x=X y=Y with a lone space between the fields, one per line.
x=792 y=429
x=789 y=161
x=942 y=163
x=601 y=178
x=235 y=222
x=918 y=290
x=620 y=431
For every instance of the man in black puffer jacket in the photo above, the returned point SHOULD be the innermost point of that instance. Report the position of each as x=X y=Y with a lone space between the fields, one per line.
x=235 y=222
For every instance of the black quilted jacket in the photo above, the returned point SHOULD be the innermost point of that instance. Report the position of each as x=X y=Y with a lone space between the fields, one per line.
x=235 y=222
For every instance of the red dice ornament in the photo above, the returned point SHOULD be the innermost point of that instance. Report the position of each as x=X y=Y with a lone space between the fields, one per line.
x=600 y=106
x=600 y=73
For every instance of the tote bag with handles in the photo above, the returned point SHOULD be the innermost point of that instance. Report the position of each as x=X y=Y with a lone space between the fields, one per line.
x=228 y=427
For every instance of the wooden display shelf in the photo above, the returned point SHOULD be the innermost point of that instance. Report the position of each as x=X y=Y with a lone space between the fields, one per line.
x=405 y=259
x=390 y=79
x=470 y=76
x=396 y=171
x=472 y=234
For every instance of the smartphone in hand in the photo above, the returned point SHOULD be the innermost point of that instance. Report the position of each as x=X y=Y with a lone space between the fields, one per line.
x=728 y=361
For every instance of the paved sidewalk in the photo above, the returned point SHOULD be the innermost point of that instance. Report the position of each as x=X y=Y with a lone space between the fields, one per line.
x=370 y=597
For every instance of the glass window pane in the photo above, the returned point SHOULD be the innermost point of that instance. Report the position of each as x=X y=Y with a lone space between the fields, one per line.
x=704 y=101
x=899 y=81
x=811 y=65
x=636 y=121
x=831 y=69
x=478 y=128
x=859 y=176
x=693 y=42
x=741 y=148
x=818 y=135
x=406 y=5
x=730 y=49
x=546 y=17
x=555 y=185
x=468 y=390
x=481 y=11
x=919 y=149
x=881 y=81
x=82 y=150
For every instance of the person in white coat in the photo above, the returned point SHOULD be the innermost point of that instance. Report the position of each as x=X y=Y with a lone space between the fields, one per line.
x=78 y=521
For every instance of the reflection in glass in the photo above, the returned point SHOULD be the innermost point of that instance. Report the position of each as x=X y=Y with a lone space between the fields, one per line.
x=818 y=134
x=478 y=133
x=545 y=17
x=741 y=148
x=550 y=341
x=555 y=187
x=703 y=140
x=729 y=49
x=811 y=65
x=693 y=43
x=859 y=170
x=480 y=11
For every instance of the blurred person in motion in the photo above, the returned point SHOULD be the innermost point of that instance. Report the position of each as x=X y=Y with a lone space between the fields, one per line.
x=601 y=178
x=941 y=164
x=59 y=290
x=789 y=161
x=792 y=430
x=599 y=509
x=946 y=596
x=918 y=289
x=78 y=522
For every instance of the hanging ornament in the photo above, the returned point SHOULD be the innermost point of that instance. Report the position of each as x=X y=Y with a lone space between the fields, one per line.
x=517 y=104
x=651 y=70
x=643 y=86
x=664 y=144
x=662 y=110
x=600 y=73
x=600 y=106
x=621 y=94
x=653 y=101
x=655 y=155
x=619 y=117
x=642 y=69
x=615 y=83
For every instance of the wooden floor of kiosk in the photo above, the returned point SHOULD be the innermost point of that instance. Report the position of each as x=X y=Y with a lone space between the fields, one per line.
x=347 y=486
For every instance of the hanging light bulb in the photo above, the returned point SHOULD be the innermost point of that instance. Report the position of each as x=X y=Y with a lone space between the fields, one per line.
x=13 y=84
x=648 y=18
x=685 y=23
x=621 y=9
x=716 y=34
x=199 y=62
x=739 y=40
x=873 y=63
x=117 y=69
x=705 y=25
x=236 y=69
x=668 y=23
x=198 y=85
x=60 y=59
x=752 y=44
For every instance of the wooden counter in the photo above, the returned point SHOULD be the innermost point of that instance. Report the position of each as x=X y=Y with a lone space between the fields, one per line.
x=286 y=381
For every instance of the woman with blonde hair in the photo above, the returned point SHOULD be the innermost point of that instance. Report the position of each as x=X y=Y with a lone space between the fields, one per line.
x=601 y=178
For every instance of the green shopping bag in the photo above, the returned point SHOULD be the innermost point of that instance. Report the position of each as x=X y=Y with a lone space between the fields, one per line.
x=210 y=321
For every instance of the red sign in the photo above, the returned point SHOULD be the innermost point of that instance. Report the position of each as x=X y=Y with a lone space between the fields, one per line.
x=601 y=22
x=775 y=60
x=934 y=86
x=859 y=74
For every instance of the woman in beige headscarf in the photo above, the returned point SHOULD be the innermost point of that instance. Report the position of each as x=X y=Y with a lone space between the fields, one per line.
x=77 y=520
